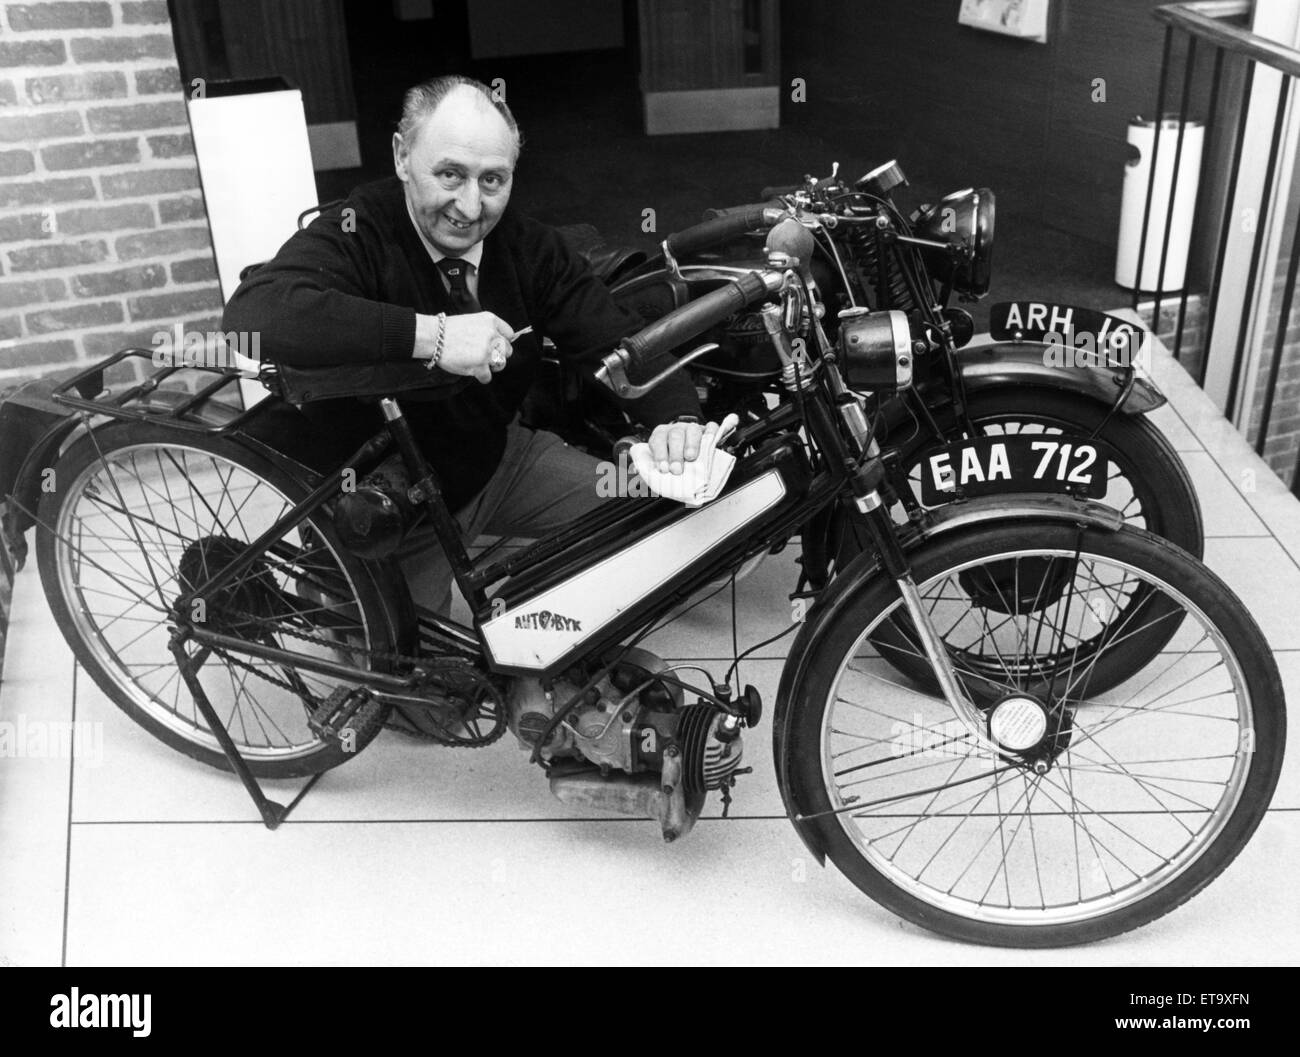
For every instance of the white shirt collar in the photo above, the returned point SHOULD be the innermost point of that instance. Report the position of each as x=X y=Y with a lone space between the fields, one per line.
x=473 y=255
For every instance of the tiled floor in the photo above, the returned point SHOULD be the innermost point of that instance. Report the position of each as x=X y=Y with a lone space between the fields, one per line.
x=131 y=853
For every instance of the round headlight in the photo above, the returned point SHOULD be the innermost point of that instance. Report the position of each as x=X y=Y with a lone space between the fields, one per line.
x=963 y=219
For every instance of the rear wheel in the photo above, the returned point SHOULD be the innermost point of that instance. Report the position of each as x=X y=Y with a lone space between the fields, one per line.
x=1148 y=485
x=1130 y=801
x=141 y=515
x=1148 y=482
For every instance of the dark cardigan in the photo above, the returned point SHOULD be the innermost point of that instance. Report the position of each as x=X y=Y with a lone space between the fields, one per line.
x=347 y=290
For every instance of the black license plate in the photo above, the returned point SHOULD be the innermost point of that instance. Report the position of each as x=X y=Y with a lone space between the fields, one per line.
x=1107 y=337
x=1026 y=463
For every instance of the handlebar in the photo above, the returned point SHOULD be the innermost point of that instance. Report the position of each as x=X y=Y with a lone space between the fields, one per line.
x=780 y=192
x=679 y=326
x=699 y=315
x=719 y=229
x=725 y=211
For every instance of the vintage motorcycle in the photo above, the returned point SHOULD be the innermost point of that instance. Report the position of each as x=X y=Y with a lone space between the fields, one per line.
x=1057 y=370
x=233 y=590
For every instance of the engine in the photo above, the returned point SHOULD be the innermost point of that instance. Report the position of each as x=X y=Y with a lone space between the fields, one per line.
x=632 y=744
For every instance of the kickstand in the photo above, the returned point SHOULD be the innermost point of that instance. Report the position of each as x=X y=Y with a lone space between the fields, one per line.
x=272 y=813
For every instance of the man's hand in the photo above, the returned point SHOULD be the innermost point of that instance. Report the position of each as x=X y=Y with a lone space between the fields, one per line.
x=476 y=344
x=674 y=444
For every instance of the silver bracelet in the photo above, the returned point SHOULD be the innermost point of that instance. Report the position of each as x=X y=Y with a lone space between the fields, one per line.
x=437 y=347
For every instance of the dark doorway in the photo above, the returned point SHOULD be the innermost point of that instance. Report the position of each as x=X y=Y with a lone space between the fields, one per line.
x=587 y=158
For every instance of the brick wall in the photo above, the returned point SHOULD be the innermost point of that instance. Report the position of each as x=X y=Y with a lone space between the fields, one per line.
x=103 y=233
x=1282 y=446
x=1283 y=443
x=1192 y=347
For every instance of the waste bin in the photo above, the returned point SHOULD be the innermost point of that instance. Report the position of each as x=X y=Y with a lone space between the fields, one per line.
x=1137 y=177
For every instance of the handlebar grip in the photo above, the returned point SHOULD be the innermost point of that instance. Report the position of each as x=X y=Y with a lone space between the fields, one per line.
x=719 y=229
x=777 y=192
x=726 y=211
x=684 y=323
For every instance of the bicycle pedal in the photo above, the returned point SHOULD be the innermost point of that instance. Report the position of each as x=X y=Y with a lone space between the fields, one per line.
x=347 y=713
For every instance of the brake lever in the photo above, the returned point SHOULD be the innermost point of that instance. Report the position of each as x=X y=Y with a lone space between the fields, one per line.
x=613 y=371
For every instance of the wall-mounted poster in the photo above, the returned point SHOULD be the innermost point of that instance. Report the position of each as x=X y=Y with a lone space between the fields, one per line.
x=1026 y=19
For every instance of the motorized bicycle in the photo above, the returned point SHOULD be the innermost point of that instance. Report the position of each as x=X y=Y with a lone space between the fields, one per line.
x=1052 y=370
x=232 y=590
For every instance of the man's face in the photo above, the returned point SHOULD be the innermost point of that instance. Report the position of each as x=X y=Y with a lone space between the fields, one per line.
x=457 y=171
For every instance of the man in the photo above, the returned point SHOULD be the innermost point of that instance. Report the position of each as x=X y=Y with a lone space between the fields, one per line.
x=429 y=265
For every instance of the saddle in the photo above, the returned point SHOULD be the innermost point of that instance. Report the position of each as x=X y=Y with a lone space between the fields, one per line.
x=609 y=261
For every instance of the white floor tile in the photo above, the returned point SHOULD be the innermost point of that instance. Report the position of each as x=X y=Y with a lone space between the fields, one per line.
x=1266 y=579
x=36 y=709
x=395 y=778
x=743 y=892
x=702 y=631
x=1269 y=499
x=1279 y=510
x=1175 y=429
x=1225 y=511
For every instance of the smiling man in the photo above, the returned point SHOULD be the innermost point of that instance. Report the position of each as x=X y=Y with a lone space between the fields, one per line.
x=431 y=265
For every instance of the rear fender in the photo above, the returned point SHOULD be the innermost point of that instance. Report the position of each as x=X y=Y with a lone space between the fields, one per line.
x=832 y=602
x=32 y=428
x=1033 y=363
x=278 y=433
x=32 y=423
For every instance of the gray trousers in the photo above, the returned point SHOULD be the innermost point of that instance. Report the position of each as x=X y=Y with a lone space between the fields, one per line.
x=541 y=484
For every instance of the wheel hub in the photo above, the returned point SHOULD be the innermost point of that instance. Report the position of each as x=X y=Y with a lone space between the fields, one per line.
x=233 y=607
x=1030 y=731
x=1018 y=722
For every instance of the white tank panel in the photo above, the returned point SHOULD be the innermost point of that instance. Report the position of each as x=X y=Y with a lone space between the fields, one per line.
x=536 y=633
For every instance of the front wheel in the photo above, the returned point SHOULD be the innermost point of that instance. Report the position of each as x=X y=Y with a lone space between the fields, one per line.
x=1131 y=802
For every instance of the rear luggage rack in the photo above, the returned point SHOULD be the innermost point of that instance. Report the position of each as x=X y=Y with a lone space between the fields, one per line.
x=136 y=402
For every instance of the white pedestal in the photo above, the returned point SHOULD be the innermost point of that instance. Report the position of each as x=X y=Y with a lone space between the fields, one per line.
x=255 y=163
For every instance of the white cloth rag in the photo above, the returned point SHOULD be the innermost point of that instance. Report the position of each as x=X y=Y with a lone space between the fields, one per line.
x=701 y=479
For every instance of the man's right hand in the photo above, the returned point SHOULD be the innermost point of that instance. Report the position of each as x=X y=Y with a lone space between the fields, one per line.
x=476 y=344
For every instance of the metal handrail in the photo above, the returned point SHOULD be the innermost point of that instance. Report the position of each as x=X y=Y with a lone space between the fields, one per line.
x=1204 y=21
x=1203 y=18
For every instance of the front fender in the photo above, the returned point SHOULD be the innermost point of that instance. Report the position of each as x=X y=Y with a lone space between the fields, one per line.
x=1038 y=364
x=831 y=603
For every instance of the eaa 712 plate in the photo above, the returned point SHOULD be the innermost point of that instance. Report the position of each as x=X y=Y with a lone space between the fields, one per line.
x=1031 y=462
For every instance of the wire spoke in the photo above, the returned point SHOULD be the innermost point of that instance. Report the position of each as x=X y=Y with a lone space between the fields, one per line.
x=1137 y=778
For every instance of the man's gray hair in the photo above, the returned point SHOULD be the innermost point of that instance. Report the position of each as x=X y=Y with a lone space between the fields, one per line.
x=423 y=100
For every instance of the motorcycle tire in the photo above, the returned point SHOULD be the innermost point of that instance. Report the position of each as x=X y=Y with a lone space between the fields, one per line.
x=1148 y=482
x=1152 y=789
x=1150 y=479
x=140 y=514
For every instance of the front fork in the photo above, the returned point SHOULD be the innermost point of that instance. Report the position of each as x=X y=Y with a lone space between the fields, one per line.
x=866 y=481
x=865 y=478
x=885 y=536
